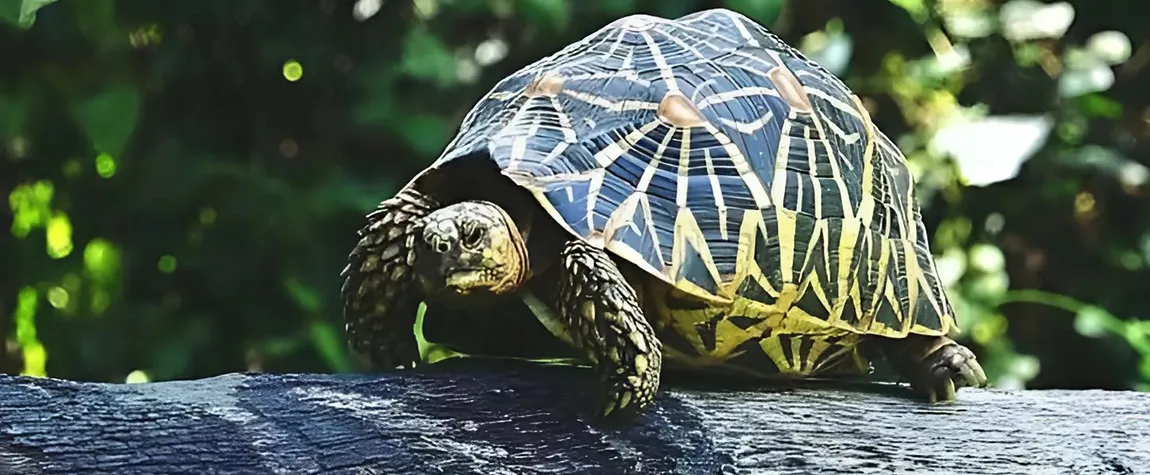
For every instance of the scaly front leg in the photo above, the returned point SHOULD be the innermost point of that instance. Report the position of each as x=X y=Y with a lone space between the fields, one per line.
x=379 y=292
x=603 y=316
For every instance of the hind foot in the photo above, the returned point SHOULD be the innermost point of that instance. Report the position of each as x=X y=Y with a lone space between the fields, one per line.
x=936 y=367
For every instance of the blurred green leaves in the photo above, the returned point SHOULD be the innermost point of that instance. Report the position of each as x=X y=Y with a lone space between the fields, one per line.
x=21 y=13
x=762 y=11
x=426 y=57
x=109 y=117
x=211 y=239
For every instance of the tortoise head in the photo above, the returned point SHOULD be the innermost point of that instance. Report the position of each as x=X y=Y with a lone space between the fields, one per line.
x=472 y=246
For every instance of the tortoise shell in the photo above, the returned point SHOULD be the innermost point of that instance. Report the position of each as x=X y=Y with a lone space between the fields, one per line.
x=715 y=157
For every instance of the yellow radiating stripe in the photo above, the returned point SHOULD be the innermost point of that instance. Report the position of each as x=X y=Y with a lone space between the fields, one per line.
x=786 y=220
x=879 y=265
x=623 y=217
x=645 y=207
x=911 y=271
x=653 y=165
x=615 y=47
x=933 y=298
x=779 y=182
x=684 y=172
x=796 y=357
x=661 y=62
x=848 y=239
x=816 y=285
x=518 y=151
x=867 y=204
x=750 y=178
x=832 y=157
x=687 y=231
x=596 y=182
x=838 y=103
x=722 y=97
x=716 y=192
x=746 y=34
x=812 y=161
x=564 y=121
x=612 y=152
x=624 y=105
x=816 y=231
x=773 y=348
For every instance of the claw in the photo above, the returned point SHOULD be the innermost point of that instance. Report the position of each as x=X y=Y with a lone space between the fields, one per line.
x=938 y=368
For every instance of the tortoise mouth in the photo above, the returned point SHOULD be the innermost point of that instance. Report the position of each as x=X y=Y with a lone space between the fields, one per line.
x=464 y=280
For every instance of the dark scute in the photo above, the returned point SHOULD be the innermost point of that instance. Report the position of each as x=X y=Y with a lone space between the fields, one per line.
x=809 y=302
x=752 y=290
x=694 y=269
x=785 y=343
x=850 y=316
x=805 y=346
x=750 y=355
x=706 y=331
x=744 y=322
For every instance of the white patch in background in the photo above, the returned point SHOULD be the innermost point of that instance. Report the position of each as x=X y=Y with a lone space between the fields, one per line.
x=992 y=149
x=1024 y=20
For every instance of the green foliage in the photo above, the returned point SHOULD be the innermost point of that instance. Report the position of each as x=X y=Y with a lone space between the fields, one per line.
x=21 y=13
x=185 y=178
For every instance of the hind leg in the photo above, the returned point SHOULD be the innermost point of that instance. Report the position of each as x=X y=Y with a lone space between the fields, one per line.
x=935 y=366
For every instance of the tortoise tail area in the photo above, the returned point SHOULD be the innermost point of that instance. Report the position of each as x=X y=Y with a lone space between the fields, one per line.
x=379 y=292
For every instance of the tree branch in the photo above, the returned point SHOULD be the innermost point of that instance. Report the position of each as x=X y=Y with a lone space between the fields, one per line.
x=529 y=419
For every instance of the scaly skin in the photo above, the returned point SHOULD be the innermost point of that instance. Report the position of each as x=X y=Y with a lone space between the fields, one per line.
x=604 y=317
x=936 y=367
x=411 y=249
x=380 y=298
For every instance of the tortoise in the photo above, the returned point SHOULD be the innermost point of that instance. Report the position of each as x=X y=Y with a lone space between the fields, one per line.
x=693 y=192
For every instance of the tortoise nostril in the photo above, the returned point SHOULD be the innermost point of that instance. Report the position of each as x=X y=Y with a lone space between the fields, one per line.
x=442 y=246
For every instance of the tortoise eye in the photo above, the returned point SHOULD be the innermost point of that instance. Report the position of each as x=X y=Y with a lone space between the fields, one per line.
x=472 y=235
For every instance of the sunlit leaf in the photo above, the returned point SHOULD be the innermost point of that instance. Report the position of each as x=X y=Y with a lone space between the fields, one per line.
x=1099 y=105
x=1093 y=321
x=21 y=13
x=109 y=118
x=330 y=345
x=306 y=297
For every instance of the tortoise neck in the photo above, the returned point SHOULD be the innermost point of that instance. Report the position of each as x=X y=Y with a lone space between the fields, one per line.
x=519 y=262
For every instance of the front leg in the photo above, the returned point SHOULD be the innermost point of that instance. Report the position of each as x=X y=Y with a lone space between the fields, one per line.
x=379 y=292
x=603 y=317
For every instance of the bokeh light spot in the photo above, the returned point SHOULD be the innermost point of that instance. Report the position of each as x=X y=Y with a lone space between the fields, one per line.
x=105 y=165
x=58 y=297
x=292 y=70
x=167 y=264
